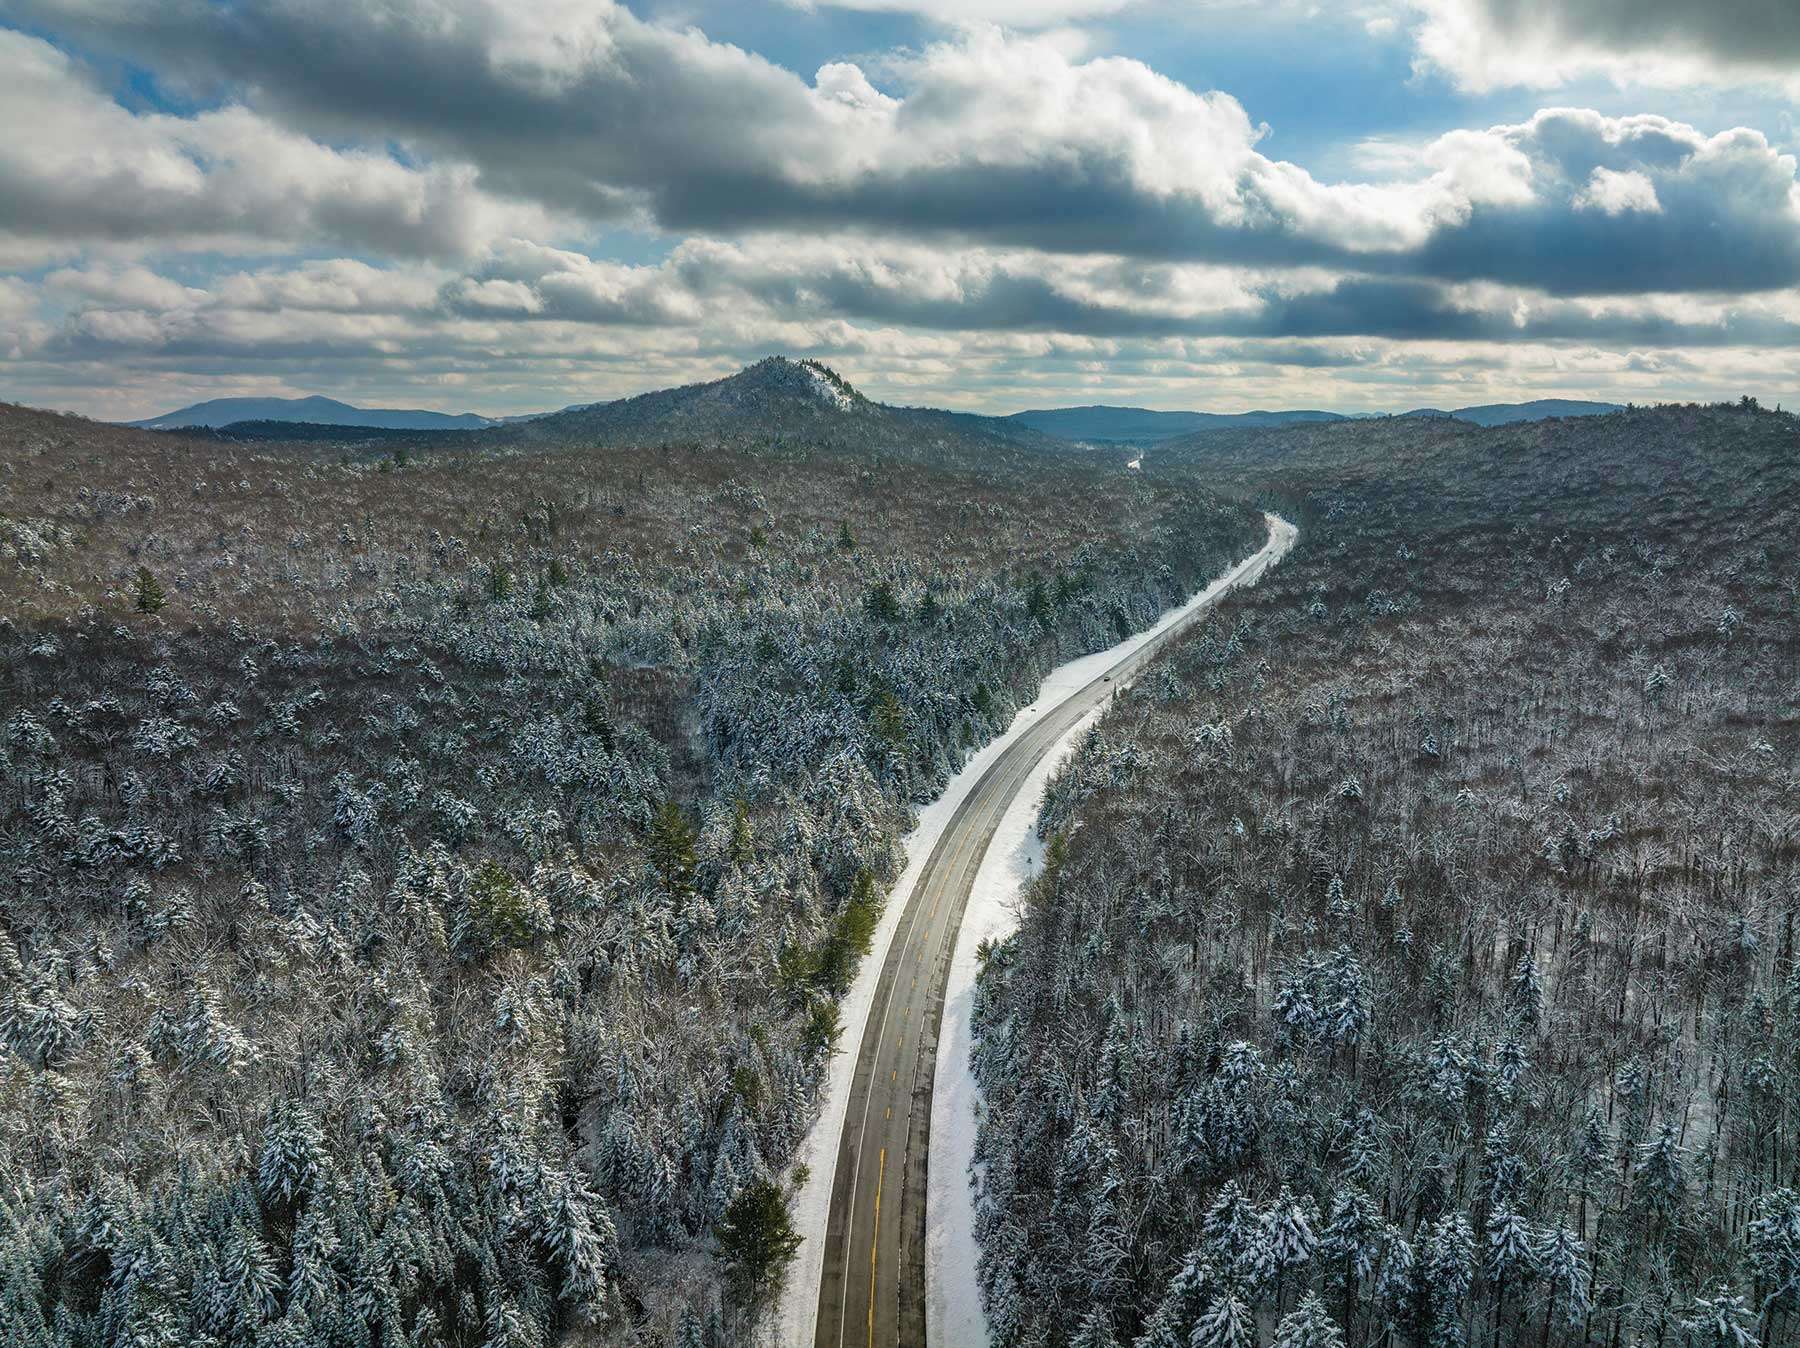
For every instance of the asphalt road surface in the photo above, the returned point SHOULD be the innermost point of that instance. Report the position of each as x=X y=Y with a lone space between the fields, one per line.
x=873 y=1288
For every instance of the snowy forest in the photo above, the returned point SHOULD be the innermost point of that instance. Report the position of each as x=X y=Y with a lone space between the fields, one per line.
x=431 y=866
x=1414 y=958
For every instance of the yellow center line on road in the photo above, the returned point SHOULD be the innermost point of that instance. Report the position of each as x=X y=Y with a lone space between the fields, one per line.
x=875 y=1244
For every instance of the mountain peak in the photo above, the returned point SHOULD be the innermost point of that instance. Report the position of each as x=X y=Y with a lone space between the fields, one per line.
x=810 y=379
x=790 y=405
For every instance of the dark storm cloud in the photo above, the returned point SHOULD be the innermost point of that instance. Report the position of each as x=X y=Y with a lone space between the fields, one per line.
x=1120 y=299
x=77 y=167
x=1004 y=302
x=582 y=108
x=608 y=116
x=1087 y=204
x=1578 y=254
x=588 y=118
x=534 y=304
x=1633 y=204
x=1759 y=31
x=1653 y=44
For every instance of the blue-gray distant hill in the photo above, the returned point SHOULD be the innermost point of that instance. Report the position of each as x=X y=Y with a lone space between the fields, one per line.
x=1142 y=426
x=314 y=411
x=1503 y=414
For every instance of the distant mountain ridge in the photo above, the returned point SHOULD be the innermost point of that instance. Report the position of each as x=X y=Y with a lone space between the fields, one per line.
x=794 y=393
x=1539 y=409
x=314 y=411
x=1142 y=426
x=778 y=405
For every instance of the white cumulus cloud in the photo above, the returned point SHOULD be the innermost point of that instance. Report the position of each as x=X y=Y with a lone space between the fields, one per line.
x=1615 y=192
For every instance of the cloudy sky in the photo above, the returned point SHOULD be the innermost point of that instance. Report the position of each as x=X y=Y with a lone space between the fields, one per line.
x=500 y=206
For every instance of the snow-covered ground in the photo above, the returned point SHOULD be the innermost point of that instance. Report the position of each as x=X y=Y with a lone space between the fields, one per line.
x=827 y=391
x=953 y=1306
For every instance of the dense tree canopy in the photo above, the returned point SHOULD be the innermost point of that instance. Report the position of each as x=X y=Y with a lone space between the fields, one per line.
x=425 y=925
x=1417 y=965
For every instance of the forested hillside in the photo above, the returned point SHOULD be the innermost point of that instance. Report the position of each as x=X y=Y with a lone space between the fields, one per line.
x=1415 y=959
x=430 y=871
x=784 y=406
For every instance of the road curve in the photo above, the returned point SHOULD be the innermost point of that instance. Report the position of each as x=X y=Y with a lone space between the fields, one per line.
x=872 y=1290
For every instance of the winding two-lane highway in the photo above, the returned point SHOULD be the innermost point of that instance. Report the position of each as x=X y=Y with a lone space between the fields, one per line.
x=873 y=1286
